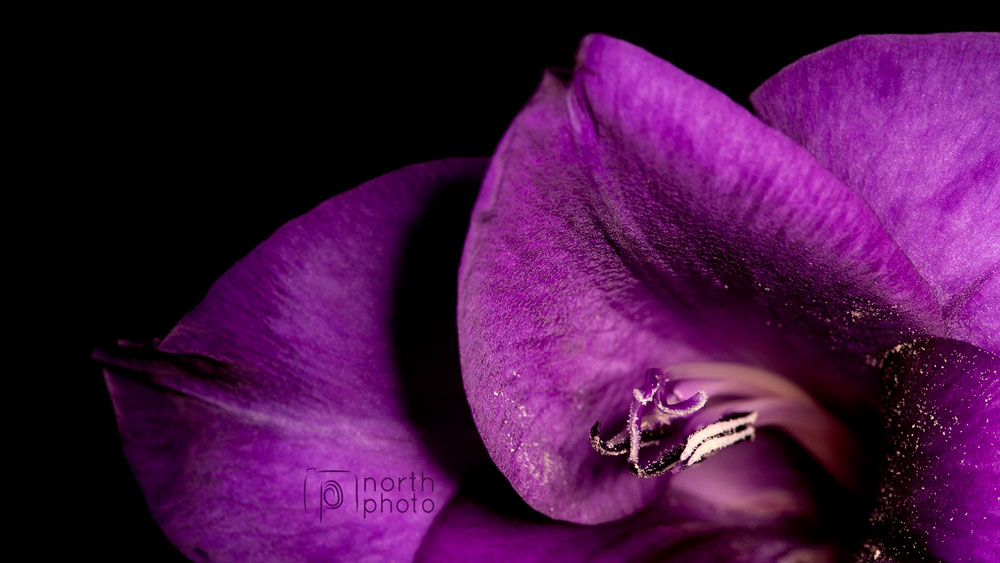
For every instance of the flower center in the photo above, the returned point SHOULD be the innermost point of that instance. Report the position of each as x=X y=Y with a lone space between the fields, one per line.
x=653 y=427
x=673 y=425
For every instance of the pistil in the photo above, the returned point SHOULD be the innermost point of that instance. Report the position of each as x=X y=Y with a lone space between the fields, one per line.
x=642 y=429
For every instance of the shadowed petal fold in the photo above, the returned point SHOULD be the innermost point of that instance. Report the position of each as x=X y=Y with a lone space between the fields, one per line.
x=632 y=218
x=768 y=513
x=912 y=124
x=331 y=346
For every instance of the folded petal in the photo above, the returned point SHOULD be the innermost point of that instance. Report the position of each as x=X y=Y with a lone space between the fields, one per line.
x=328 y=354
x=634 y=217
x=769 y=514
x=940 y=492
x=912 y=124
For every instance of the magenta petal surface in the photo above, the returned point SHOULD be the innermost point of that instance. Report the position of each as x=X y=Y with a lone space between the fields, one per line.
x=331 y=346
x=912 y=124
x=634 y=217
x=940 y=493
x=766 y=515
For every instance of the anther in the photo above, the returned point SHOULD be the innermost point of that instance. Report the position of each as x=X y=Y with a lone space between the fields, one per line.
x=643 y=430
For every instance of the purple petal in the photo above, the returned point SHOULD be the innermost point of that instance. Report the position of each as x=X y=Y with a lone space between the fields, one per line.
x=632 y=218
x=940 y=494
x=331 y=346
x=769 y=512
x=912 y=124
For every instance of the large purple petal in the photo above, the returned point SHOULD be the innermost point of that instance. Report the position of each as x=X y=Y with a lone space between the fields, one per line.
x=912 y=123
x=331 y=346
x=634 y=217
x=940 y=493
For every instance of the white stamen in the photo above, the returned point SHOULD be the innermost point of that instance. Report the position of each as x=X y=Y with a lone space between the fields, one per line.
x=712 y=445
x=714 y=429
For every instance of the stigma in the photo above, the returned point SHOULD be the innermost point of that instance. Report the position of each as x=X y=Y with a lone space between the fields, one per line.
x=655 y=406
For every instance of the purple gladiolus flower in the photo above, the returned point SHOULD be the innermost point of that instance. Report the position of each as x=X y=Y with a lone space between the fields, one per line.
x=684 y=332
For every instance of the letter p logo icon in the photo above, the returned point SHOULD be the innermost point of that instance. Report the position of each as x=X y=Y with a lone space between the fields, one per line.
x=322 y=490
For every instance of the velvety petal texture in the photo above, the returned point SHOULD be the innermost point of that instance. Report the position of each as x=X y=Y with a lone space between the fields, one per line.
x=328 y=353
x=912 y=124
x=634 y=217
x=769 y=512
x=940 y=491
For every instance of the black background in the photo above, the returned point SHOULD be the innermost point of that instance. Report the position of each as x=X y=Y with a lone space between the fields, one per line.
x=175 y=143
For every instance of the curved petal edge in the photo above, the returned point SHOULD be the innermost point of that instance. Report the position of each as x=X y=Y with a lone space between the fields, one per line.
x=310 y=367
